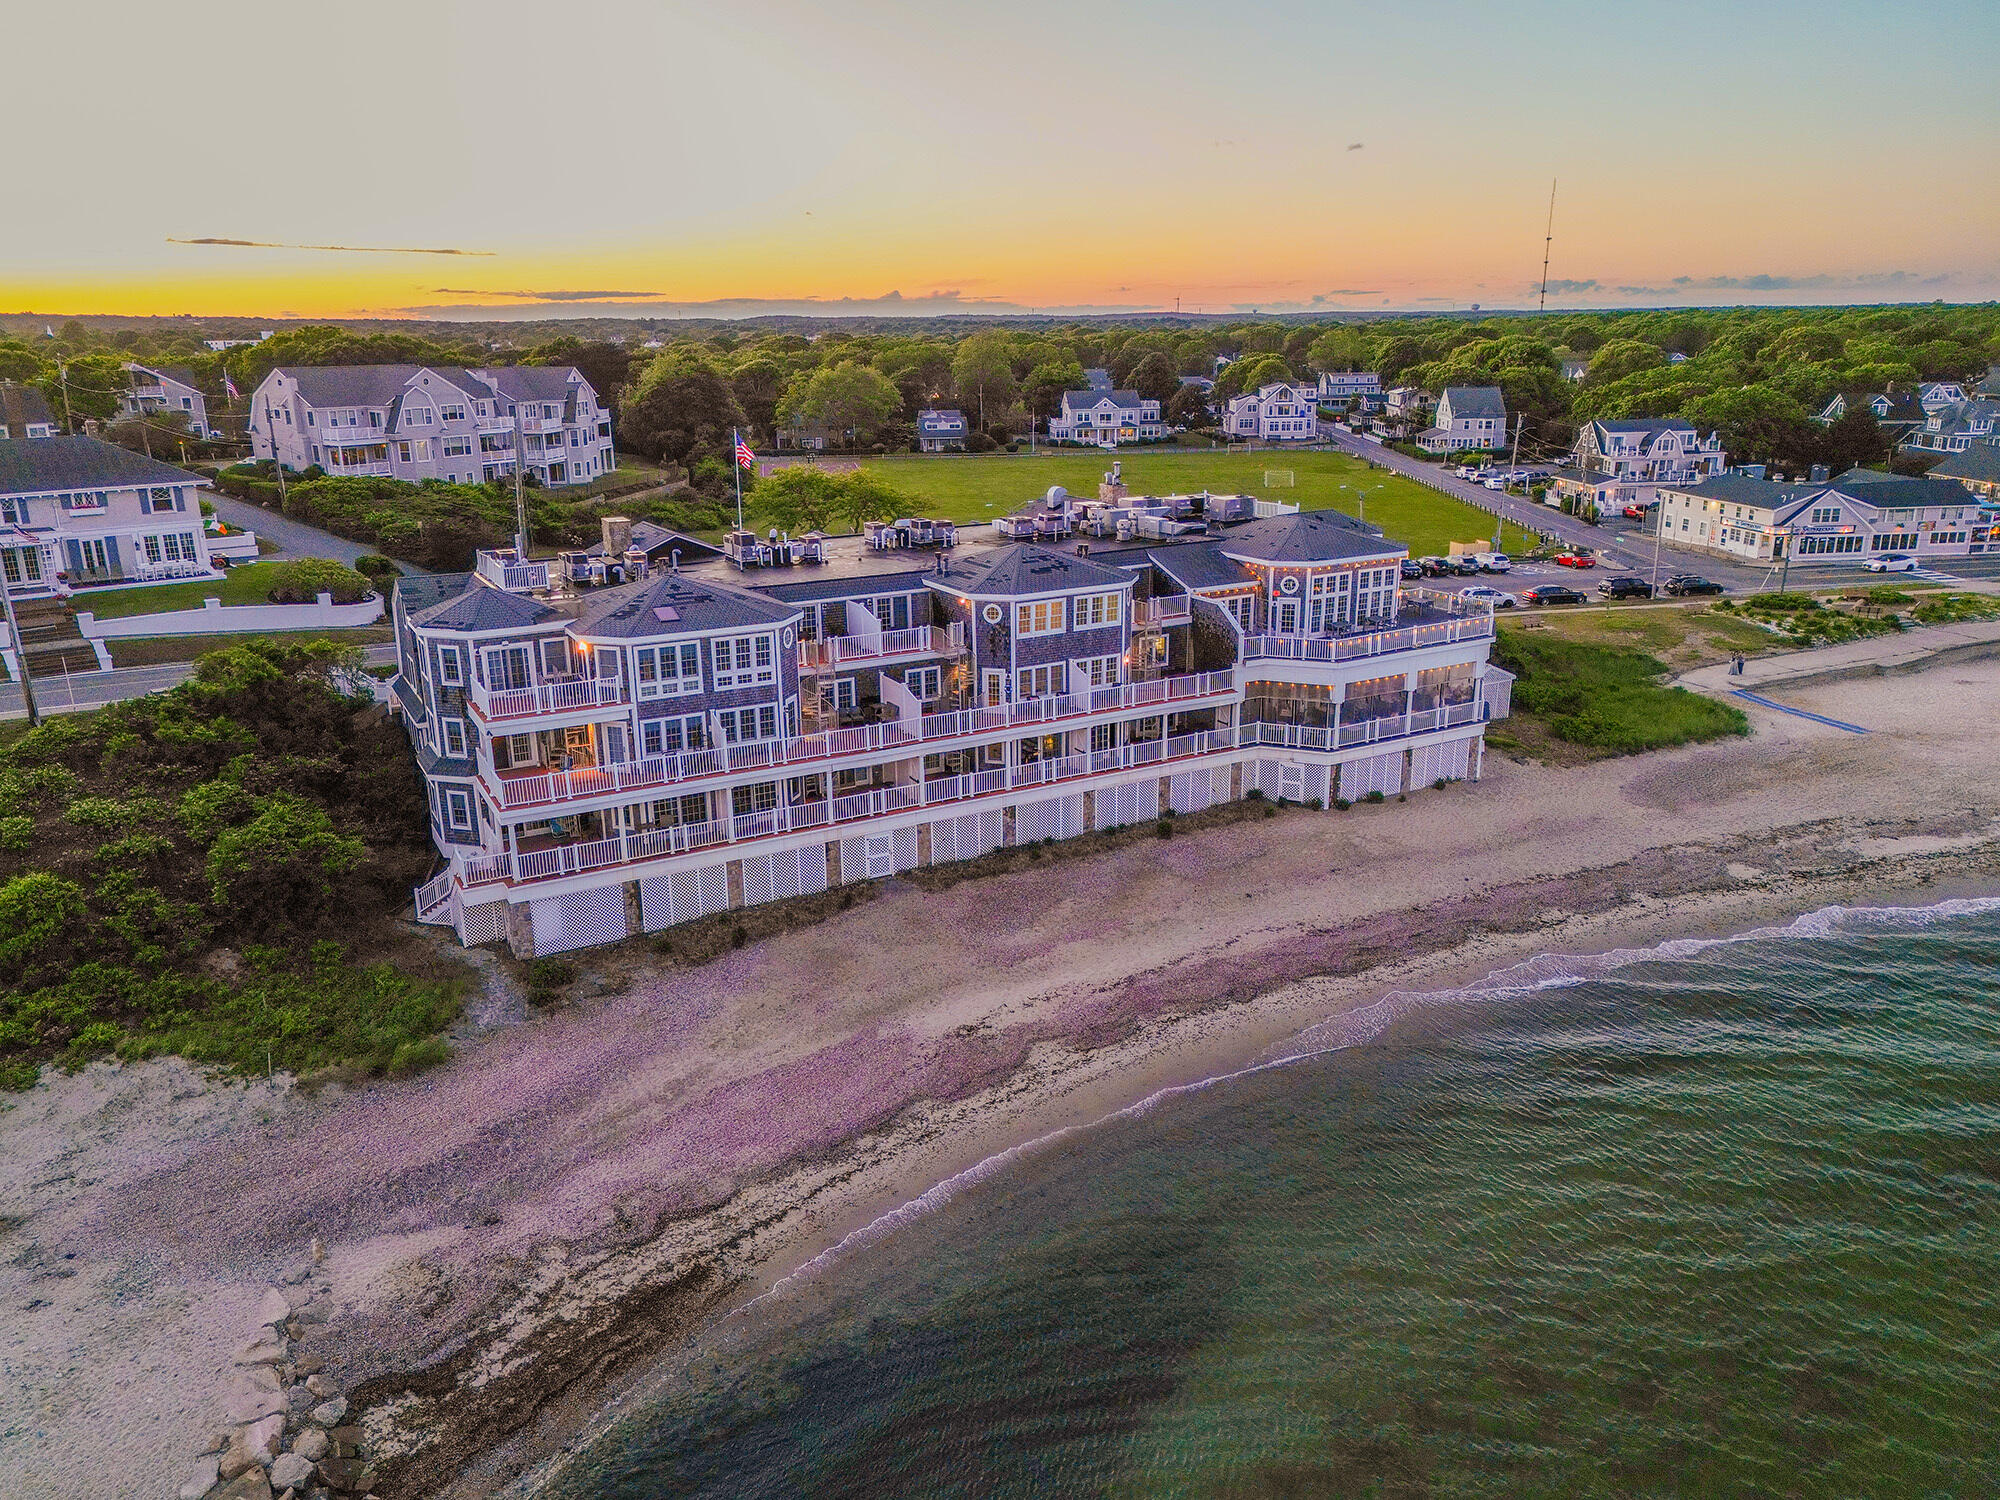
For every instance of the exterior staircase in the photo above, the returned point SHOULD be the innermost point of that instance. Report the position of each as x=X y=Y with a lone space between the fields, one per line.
x=51 y=640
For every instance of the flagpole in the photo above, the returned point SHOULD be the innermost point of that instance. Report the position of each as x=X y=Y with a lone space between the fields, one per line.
x=736 y=469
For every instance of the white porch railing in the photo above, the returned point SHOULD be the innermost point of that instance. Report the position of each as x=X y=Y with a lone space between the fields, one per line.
x=921 y=640
x=1167 y=609
x=503 y=569
x=432 y=894
x=1374 y=643
x=547 y=697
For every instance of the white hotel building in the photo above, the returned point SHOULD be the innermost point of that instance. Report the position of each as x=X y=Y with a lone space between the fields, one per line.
x=605 y=761
x=418 y=422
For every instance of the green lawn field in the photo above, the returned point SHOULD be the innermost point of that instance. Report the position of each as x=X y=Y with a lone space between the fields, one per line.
x=967 y=488
x=248 y=584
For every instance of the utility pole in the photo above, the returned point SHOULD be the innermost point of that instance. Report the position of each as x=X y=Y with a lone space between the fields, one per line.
x=1659 y=526
x=20 y=647
x=736 y=472
x=1548 y=242
x=62 y=374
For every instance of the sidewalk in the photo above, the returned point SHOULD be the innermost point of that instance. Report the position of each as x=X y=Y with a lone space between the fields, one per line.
x=1909 y=651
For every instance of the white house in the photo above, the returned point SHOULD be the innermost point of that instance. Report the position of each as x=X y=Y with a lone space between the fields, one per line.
x=418 y=422
x=156 y=388
x=1106 y=418
x=1977 y=467
x=1278 y=413
x=941 y=430
x=1573 y=370
x=97 y=513
x=1954 y=428
x=1345 y=385
x=1468 y=416
x=24 y=412
x=1861 y=514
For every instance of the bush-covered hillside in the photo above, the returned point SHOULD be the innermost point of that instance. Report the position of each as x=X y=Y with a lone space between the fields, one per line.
x=1604 y=699
x=214 y=871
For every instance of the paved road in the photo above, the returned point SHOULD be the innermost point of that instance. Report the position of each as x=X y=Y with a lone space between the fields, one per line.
x=59 y=693
x=294 y=538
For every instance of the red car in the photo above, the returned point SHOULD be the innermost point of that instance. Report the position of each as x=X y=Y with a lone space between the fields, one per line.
x=1637 y=512
x=1575 y=560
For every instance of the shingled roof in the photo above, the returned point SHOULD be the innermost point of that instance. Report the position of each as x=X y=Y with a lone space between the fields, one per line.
x=1025 y=569
x=677 y=604
x=32 y=466
x=1309 y=536
x=480 y=606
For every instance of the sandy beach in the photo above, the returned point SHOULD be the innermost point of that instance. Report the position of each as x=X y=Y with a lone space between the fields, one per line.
x=511 y=1237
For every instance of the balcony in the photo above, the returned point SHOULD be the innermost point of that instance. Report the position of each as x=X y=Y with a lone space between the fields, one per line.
x=1364 y=731
x=881 y=649
x=494 y=704
x=933 y=734
x=504 y=570
x=1162 y=612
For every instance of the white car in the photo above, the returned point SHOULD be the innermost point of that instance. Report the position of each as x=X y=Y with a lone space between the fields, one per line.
x=1892 y=562
x=1496 y=483
x=1493 y=562
x=1492 y=596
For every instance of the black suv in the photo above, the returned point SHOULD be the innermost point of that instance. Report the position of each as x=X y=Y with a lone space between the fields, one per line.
x=1554 y=593
x=1691 y=583
x=1412 y=568
x=1625 y=588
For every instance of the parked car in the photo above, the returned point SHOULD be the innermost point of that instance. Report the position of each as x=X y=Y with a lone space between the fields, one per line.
x=1625 y=588
x=1493 y=562
x=1493 y=596
x=1554 y=593
x=1637 y=512
x=1411 y=568
x=1437 y=567
x=1465 y=567
x=1892 y=562
x=1496 y=483
x=1573 y=559
x=1690 y=583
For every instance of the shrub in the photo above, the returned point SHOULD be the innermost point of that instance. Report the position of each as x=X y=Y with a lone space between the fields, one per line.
x=1607 y=697
x=415 y=1056
x=739 y=936
x=1164 y=829
x=1374 y=797
x=278 y=869
x=305 y=579
x=374 y=565
x=1341 y=804
x=979 y=442
x=97 y=814
x=16 y=834
x=38 y=911
x=551 y=973
x=1315 y=804
x=1255 y=794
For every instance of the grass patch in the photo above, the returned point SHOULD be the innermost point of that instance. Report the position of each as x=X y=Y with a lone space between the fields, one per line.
x=1681 y=635
x=1602 y=700
x=977 y=487
x=1955 y=609
x=1806 y=620
x=249 y=584
x=156 y=650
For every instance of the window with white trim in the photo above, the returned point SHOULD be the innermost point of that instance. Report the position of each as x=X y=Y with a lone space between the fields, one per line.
x=454 y=737
x=452 y=413
x=1040 y=682
x=846 y=692
x=451 y=667
x=1096 y=609
x=1097 y=671
x=457 y=809
x=671 y=736
x=1825 y=515
x=417 y=416
x=745 y=661
x=555 y=657
x=924 y=683
x=667 y=671
x=739 y=724
x=457 y=447
x=1042 y=617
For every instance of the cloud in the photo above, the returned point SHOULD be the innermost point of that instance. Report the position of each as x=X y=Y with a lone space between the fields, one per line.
x=1563 y=287
x=343 y=249
x=1864 y=281
x=1356 y=145
x=1345 y=291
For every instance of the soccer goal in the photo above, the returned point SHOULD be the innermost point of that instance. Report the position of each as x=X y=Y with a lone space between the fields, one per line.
x=1279 y=479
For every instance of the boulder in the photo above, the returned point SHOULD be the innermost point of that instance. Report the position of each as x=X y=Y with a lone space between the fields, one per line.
x=263 y=1436
x=255 y=1378
x=329 y=1414
x=311 y=1444
x=262 y=1350
x=206 y=1475
x=346 y=1441
x=291 y=1470
x=274 y=1308
x=249 y=1485
x=321 y=1387
x=308 y=1364
x=236 y=1458
x=248 y=1405
x=344 y=1473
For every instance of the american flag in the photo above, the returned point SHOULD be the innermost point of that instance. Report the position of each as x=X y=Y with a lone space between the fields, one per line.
x=230 y=386
x=744 y=457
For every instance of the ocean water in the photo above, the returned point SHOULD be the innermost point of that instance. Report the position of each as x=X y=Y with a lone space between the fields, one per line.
x=1711 y=1220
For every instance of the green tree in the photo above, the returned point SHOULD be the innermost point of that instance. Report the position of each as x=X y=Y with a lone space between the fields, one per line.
x=681 y=408
x=863 y=497
x=799 y=497
x=1154 y=378
x=94 y=381
x=1188 y=407
x=843 y=398
x=1042 y=392
x=1623 y=357
x=982 y=373
x=1854 y=441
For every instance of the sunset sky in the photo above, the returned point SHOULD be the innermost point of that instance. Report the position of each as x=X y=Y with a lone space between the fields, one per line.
x=1282 y=155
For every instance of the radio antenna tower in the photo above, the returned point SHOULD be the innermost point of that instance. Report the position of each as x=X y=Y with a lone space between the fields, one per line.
x=1548 y=241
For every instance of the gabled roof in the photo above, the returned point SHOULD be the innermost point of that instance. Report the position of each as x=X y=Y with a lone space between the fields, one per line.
x=179 y=373
x=349 y=385
x=1097 y=379
x=21 y=405
x=652 y=539
x=31 y=465
x=1023 y=568
x=1309 y=536
x=480 y=606
x=1089 y=400
x=1651 y=426
x=677 y=604
x=1900 y=491
x=1475 y=400
x=945 y=417
x=1747 y=489
x=1196 y=565
x=1980 y=461
x=851 y=586
x=529 y=382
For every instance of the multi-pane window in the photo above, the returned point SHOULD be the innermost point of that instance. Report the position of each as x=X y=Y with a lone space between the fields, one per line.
x=454 y=736
x=1096 y=609
x=666 y=671
x=162 y=498
x=846 y=692
x=1097 y=671
x=738 y=724
x=671 y=736
x=924 y=683
x=451 y=667
x=457 y=447
x=761 y=797
x=458 y=809
x=1043 y=617
x=1826 y=515
x=152 y=546
x=179 y=546
x=452 y=413
x=555 y=657
x=1040 y=682
x=745 y=660
x=416 y=416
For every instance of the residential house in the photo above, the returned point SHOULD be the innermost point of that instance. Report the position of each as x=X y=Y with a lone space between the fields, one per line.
x=1340 y=386
x=941 y=431
x=24 y=412
x=1954 y=428
x=1200 y=383
x=605 y=761
x=1468 y=416
x=157 y=388
x=1277 y=413
x=1097 y=380
x=1990 y=386
x=805 y=438
x=1616 y=463
x=96 y=514
x=218 y=345
x=1976 y=466
x=418 y=422
x=1860 y=514
x=1573 y=370
x=1106 y=418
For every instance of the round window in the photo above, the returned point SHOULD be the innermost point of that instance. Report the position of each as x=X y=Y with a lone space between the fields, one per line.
x=790 y=640
x=993 y=613
x=1288 y=585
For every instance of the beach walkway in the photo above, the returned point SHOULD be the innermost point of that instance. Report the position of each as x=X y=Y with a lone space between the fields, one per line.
x=1907 y=651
